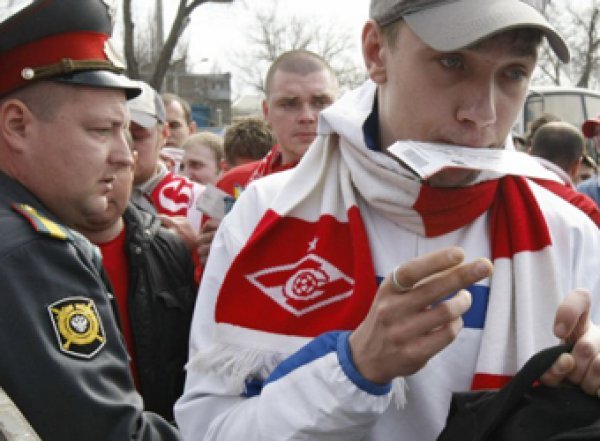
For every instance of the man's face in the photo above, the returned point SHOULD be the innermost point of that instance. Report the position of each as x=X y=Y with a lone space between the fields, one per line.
x=74 y=157
x=293 y=106
x=200 y=165
x=179 y=129
x=469 y=97
x=117 y=198
x=147 y=143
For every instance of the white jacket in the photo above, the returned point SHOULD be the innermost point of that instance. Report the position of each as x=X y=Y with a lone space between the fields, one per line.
x=322 y=397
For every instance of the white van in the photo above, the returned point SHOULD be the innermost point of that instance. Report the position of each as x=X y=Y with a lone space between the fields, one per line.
x=571 y=104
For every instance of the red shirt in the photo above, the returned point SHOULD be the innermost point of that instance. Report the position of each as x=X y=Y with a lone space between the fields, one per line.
x=235 y=180
x=114 y=261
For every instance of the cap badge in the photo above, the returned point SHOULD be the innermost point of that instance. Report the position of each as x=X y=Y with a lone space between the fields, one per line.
x=28 y=73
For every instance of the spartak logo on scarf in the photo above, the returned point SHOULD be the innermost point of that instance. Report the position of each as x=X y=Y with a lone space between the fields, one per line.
x=302 y=278
x=173 y=195
x=305 y=285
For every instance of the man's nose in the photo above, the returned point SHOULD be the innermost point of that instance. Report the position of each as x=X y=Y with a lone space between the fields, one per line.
x=121 y=151
x=308 y=113
x=478 y=106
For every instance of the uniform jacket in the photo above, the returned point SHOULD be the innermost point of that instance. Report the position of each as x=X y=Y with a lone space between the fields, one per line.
x=161 y=302
x=64 y=363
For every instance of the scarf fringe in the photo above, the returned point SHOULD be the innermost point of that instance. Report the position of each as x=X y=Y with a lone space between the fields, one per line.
x=235 y=364
x=399 y=387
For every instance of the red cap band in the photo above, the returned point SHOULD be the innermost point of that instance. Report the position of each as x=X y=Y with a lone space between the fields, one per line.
x=77 y=46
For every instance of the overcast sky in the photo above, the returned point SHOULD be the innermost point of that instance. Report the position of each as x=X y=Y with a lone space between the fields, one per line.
x=218 y=30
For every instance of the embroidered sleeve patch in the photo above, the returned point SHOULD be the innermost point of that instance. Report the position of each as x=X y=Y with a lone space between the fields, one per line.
x=78 y=327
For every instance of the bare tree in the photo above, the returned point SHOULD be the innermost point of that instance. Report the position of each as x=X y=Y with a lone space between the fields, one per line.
x=581 y=29
x=162 y=57
x=271 y=35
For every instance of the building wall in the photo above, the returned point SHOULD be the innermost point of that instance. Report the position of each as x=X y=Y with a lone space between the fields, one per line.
x=212 y=91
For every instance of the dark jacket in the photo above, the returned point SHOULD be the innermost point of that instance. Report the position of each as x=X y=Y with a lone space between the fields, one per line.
x=63 y=360
x=161 y=302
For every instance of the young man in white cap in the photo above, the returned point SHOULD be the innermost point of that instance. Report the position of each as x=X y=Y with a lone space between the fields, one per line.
x=348 y=298
x=156 y=189
x=63 y=121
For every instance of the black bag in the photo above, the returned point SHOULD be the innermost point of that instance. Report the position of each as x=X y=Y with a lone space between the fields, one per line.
x=523 y=412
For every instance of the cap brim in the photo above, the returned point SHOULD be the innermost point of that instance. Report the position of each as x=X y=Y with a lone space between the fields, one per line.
x=143 y=119
x=103 y=79
x=460 y=24
x=590 y=128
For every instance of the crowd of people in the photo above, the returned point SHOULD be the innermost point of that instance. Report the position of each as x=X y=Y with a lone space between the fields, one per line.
x=337 y=294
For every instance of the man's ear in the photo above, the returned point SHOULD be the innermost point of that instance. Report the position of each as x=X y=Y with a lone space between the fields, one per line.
x=15 y=123
x=374 y=51
x=224 y=166
x=165 y=131
x=573 y=171
x=193 y=127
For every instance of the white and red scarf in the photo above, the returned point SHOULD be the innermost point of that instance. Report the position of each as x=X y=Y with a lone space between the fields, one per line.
x=279 y=293
x=271 y=163
x=175 y=195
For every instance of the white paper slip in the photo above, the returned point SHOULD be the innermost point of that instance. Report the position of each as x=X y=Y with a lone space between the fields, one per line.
x=214 y=202
x=13 y=425
x=426 y=159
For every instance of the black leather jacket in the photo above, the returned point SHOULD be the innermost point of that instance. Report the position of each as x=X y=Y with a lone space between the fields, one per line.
x=63 y=360
x=161 y=302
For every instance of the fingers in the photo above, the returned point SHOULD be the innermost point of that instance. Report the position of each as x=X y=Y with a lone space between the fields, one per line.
x=440 y=276
x=207 y=234
x=572 y=324
x=417 y=269
x=166 y=221
x=559 y=370
x=436 y=317
x=572 y=316
x=210 y=225
x=402 y=331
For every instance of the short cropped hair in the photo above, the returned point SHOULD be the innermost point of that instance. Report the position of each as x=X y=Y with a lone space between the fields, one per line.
x=211 y=140
x=248 y=138
x=298 y=61
x=559 y=142
x=43 y=98
x=187 y=109
x=534 y=126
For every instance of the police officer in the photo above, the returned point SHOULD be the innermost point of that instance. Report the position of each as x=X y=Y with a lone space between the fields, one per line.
x=63 y=118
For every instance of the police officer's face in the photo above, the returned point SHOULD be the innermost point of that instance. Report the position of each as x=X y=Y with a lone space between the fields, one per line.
x=469 y=97
x=73 y=157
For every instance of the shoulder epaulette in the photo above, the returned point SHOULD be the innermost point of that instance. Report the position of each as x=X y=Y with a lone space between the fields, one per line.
x=42 y=224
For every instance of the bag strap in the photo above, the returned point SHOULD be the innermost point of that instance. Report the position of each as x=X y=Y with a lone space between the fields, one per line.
x=508 y=398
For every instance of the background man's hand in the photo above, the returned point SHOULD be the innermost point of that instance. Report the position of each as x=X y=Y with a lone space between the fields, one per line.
x=207 y=234
x=181 y=226
x=402 y=331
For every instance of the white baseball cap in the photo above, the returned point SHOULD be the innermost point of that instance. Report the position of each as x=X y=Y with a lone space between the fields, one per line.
x=147 y=109
x=449 y=25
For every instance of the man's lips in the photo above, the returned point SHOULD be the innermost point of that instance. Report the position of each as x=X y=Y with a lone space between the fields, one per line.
x=306 y=135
